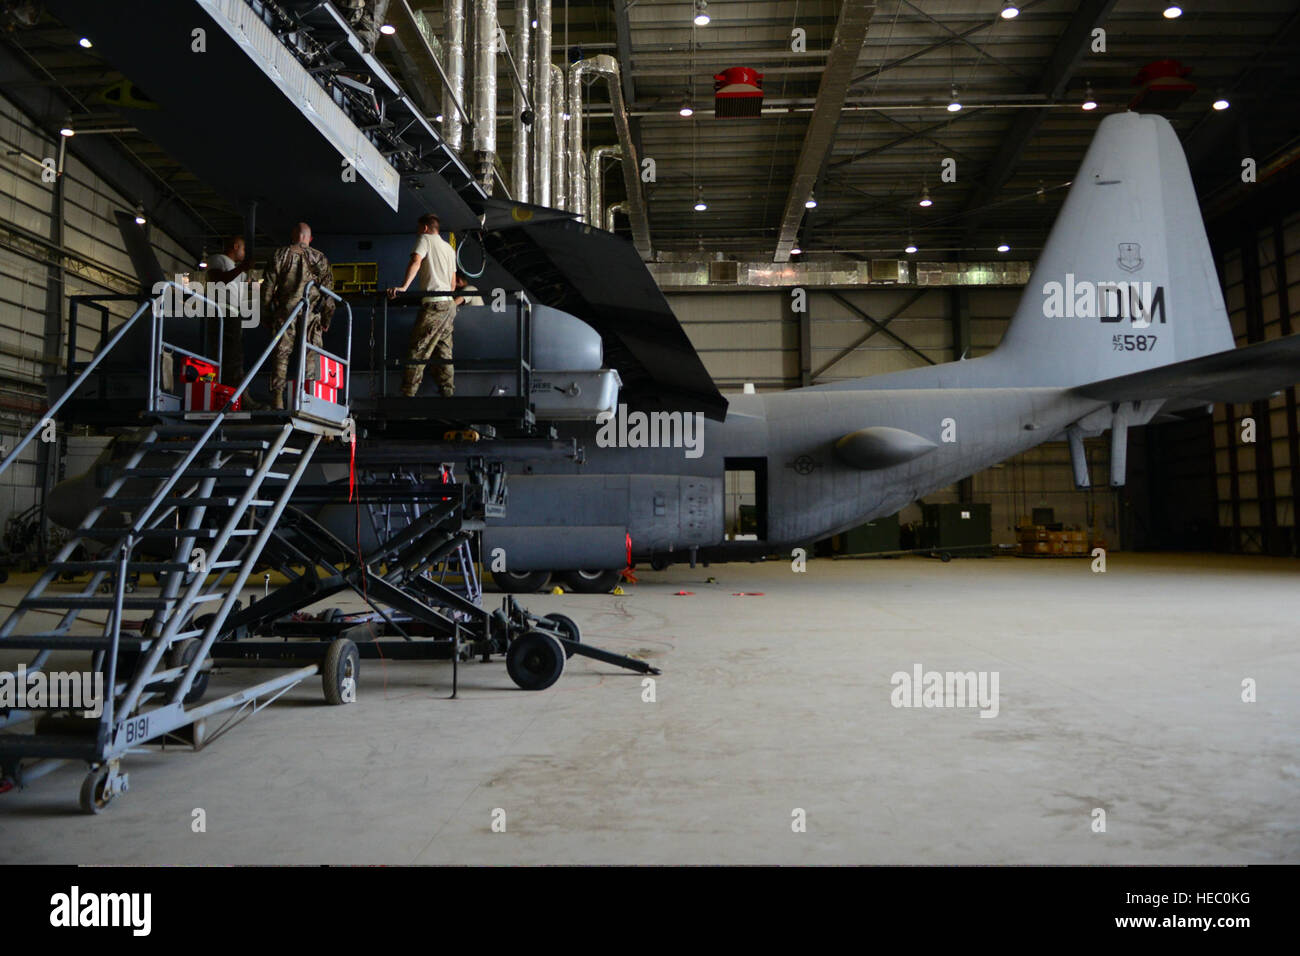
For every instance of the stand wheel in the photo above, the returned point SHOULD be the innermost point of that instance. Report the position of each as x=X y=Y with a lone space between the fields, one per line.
x=567 y=628
x=945 y=557
x=98 y=790
x=182 y=654
x=535 y=661
x=339 y=672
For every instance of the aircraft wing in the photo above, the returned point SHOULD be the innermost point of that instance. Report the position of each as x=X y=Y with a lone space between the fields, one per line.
x=599 y=277
x=1237 y=375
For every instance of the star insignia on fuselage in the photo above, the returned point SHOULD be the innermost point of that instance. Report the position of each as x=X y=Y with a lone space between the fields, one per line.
x=804 y=465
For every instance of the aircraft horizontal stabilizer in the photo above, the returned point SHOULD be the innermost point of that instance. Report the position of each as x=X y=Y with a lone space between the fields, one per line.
x=1236 y=375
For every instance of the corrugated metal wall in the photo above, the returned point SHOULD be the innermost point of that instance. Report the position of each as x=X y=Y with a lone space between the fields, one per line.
x=28 y=267
x=1255 y=479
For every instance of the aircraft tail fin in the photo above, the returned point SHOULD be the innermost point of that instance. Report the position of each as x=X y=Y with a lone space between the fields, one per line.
x=1126 y=281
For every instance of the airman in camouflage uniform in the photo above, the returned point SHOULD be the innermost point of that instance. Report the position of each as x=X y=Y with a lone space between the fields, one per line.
x=287 y=274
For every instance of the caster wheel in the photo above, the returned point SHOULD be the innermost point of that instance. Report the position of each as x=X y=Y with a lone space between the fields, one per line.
x=100 y=788
x=568 y=630
x=535 y=661
x=521 y=582
x=945 y=557
x=592 y=582
x=182 y=654
x=339 y=672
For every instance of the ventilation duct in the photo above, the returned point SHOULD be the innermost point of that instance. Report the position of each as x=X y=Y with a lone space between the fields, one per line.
x=610 y=212
x=453 y=95
x=558 y=147
x=606 y=67
x=542 y=107
x=485 y=92
x=524 y=116
x=596 y=182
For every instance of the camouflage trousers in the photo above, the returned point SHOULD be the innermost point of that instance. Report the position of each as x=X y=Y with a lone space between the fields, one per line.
x=431 y=338
x=285 y=354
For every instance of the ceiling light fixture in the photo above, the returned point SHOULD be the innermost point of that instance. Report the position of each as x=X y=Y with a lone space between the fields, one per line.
x=910 y=247
x=203 y=259
x=925 y=202
x=66 y=129
x=1173 y=11
x=85 y=43
x=1009 y=10
x=139 y=214
x=955 y=105
x=1221 y=102
x=387 y=29
x=796 y=251
x=810 y=203
x=1003 y=247
x=687 y=108
x=700 y=204
x=1089 y=100
x=701 y=13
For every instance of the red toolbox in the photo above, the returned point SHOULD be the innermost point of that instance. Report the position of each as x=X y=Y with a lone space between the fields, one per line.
x=202 y=391
x=329 y=383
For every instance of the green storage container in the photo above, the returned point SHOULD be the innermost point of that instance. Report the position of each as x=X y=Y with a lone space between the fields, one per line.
x=880 y=534
x=961 y=530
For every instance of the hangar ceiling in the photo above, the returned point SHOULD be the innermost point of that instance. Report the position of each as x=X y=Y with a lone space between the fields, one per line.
x=1016 y=140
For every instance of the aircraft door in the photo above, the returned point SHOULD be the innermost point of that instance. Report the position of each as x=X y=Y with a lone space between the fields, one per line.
x=745 y=496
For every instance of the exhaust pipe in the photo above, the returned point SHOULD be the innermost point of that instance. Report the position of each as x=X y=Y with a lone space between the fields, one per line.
x=453 y=95
x=520 y=173
x=485 y=92
x=542 y=106
x=596 y=182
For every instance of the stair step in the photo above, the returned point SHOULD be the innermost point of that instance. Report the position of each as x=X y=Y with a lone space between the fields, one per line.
x=235 y=445
x=143 y=567
x=54 y=641
x=188 y=502
x=15 y=746
x=224 y=472
x=62 y=602
x=206 y=534
x=231 y=428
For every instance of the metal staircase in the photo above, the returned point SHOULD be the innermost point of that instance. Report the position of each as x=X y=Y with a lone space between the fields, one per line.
x=194 y=505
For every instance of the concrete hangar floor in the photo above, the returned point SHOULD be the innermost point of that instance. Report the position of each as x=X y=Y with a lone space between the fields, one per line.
x=1119 y=692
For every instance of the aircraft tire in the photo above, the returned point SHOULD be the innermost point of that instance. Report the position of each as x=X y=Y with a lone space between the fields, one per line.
x=521 y=582
x=592 y=582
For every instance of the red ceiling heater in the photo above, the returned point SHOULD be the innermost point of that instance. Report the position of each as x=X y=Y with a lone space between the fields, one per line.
x=737 y=92
x=1163 y=86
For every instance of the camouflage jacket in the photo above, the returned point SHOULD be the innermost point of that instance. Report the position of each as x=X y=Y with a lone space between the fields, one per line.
x=287 y=275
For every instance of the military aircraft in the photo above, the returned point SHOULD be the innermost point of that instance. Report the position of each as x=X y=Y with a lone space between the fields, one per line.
x=1123 y=320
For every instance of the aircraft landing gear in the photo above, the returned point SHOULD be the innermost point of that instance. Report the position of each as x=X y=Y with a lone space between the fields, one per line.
x=592 y=582
x=521 y=582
